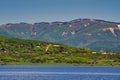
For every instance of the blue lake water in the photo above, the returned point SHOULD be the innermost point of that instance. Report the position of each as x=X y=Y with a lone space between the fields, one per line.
x=59 y=73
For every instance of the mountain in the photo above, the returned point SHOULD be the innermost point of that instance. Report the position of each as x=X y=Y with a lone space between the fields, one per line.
x=87 y=33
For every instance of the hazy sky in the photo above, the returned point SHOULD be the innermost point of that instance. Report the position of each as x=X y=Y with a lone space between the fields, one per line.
x=31 y=11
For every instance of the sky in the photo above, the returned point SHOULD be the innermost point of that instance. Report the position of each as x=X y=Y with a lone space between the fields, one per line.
x=32 y=11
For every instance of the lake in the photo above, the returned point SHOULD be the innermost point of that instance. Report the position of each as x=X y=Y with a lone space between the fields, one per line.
x=59 y=73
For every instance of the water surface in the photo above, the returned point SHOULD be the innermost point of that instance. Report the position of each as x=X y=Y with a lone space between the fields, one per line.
x=59 y=73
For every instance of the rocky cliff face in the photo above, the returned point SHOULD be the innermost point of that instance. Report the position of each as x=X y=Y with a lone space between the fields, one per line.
x=88 y=33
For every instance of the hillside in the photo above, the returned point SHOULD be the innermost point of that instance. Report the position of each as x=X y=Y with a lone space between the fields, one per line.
x=19 y=46
x=31 y=51
x=15 y=51
x=86 y=33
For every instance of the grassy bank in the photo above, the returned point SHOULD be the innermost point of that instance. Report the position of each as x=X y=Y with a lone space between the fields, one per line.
x=116 y=64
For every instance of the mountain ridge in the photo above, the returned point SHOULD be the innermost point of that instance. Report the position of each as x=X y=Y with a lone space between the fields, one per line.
x=87 y=33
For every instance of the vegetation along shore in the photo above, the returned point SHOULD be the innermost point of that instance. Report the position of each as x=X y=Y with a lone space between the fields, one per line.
x=32 y=52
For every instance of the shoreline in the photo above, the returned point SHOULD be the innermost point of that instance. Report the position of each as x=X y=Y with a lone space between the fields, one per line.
x=56 y=64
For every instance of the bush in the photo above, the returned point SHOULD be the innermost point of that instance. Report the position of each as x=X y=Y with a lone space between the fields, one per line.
x=8 y=59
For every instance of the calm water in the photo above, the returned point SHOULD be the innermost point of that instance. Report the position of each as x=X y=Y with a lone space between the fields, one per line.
x=59 y=73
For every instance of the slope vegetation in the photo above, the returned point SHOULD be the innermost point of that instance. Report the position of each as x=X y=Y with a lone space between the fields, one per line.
x=15 y=51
